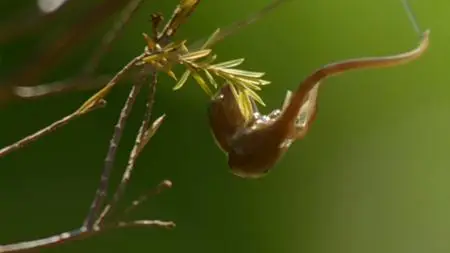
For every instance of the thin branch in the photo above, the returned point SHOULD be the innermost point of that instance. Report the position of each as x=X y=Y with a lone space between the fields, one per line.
x=47 y=130
x=60 y=86
x=94 y=212
x=110 y=157
x=48 y=241
x=146 y=223
x=107 y=88
x=141 y=199
x=101 y=192
x=134 y=152
x=80 y=233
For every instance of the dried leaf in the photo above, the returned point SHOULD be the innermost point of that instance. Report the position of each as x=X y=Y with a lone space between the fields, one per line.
x=172 y=75
x=151 y=44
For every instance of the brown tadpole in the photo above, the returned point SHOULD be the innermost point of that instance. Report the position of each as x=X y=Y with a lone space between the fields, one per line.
x=254 y=146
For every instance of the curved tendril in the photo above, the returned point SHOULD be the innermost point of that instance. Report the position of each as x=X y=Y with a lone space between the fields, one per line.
x=290 y=113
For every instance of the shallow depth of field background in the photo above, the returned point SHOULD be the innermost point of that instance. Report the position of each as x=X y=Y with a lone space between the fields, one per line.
x=372 y=175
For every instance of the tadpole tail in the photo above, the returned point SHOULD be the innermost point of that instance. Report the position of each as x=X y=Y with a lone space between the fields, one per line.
x=290 y=113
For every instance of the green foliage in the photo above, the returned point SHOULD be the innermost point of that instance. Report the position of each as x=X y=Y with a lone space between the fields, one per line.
x=200 y=65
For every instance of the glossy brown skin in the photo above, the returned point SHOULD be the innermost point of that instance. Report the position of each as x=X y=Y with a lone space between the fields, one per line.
x=255 y=146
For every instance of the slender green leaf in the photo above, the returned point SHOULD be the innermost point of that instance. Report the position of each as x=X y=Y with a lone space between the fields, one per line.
x=245 y=73
x=195 y=55
x=210 y=78
x=245 y=84
x=182 y=80
x=256 y=81
x=264 y=82
x=206 y=62
x=227 y=64
x=245 y=105
x=211 y=39
x=174 y=45
x=202 y=83
x=255 y=96
x=234 y=91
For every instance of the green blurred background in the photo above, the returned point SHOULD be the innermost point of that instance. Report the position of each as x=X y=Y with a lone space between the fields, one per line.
x=371 y=176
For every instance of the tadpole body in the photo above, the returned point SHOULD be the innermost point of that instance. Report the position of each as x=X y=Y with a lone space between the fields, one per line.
x=254 y=146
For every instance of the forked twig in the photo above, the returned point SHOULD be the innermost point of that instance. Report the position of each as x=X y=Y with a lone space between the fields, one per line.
x=88 y=229
x=78 y=234
x=138 y=144
x=110 y=157
x=182 y=11
x=86 y=107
